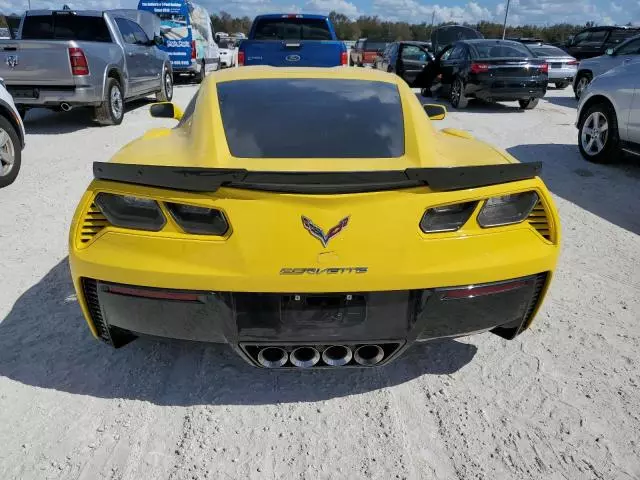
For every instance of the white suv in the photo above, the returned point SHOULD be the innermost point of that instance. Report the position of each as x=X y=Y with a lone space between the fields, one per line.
x=11 y=138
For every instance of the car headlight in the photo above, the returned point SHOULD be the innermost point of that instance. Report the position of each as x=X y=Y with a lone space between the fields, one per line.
x=448 y=218
x=198 y=220
x=507 y=209
x=131 y=212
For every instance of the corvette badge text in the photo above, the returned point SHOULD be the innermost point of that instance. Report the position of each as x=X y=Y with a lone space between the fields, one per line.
x=324 y=271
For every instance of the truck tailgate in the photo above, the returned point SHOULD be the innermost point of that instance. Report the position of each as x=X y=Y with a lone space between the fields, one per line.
x=35 y=62
x=289 y=53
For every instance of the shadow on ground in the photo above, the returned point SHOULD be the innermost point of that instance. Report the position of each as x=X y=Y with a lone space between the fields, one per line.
x=569 y=102
x=44 y=342
x=604 y=190
x=41 y=121
x=474 y=106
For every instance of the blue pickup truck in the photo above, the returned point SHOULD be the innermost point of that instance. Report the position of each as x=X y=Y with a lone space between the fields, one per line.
x=292 y=40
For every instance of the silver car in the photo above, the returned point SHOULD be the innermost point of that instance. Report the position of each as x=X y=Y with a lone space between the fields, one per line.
x=608 y=118
x=590 y=68
x=562 y=66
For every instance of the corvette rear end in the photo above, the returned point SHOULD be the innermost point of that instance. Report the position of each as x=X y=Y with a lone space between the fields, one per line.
x=315 y=242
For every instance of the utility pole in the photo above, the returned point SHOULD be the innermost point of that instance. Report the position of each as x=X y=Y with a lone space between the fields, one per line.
x=504 y=27
x=433 y=18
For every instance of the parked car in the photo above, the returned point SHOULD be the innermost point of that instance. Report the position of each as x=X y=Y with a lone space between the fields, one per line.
x=588 y=69
x=227 y=49
x=365 y=52
x=11 y=138
x=594 y=41
x=490 y=70
x=562 y=66
x=189 y=36
x=66 y=59
x=608 y=119
x=406 y=59
x=292 y=40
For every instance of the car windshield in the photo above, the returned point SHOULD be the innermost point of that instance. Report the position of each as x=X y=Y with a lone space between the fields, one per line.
x=226 y=44
x=292 y=29
x=548 y=51
x=498 y=49
x=374 y=46
x=312 y=118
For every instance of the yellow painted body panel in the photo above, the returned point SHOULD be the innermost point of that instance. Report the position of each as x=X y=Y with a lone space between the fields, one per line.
x=267 y=234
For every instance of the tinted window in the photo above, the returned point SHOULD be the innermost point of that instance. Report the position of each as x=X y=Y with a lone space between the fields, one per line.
x=374 y=46
x=138 y=33
x=498 y=49
x=65 y=27
x=292 y=29
x=548 y=51
x=125 y=30
x=581 y=37
x=457 y=53
x=619 y=36
x=224 y=43
x=411 y=52
x=598 y=36
x=312 y=118
x=629 y=48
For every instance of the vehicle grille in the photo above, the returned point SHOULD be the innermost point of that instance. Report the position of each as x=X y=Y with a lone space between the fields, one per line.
x=538 y=220
x=90 y=288
x=94 y=221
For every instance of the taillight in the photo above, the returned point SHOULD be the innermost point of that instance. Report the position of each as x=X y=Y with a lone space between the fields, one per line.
x=447 y=218
x=193 y=50
x=240 y=58
x=343 y=58
x=79 y=65
x=544 y=68
x=573 y=62
x=198 y=220
x=479 y=67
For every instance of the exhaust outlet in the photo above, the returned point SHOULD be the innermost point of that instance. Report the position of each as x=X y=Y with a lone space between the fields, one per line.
x=337 y=355
x=272 y=357
x=65 y=107
x=305 y=357
x=369 y=354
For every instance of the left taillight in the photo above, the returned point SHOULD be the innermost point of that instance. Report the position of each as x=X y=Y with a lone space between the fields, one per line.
x=78 y=60
x=544 y=68
x=479 y=67
x=343 y=58
x=131 y=212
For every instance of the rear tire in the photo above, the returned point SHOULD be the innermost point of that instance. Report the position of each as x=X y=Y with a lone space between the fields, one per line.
x=165 y=94
x=606 y=147
x=111 y=111
x=10 y=153
x=561 y=85
x=456 y=94
x=200 y=76
x=584 y=79
x=529 y=103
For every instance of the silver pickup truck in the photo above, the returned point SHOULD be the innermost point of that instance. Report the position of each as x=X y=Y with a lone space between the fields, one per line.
x=66 y=59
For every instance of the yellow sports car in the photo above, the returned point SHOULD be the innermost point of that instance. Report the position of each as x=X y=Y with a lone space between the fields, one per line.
x=311 y=218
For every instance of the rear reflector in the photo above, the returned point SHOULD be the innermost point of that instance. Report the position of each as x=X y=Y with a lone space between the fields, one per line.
x=477 y=291
x=155 y=294
x=343 y=58
x=79 y=65
x=240 y=58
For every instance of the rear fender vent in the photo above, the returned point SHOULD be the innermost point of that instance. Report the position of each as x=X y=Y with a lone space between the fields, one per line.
x=90 y=288
x=92 y=224
x=539 y=221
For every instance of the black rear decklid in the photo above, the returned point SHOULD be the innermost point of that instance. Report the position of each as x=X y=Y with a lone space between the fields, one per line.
x=197 y=179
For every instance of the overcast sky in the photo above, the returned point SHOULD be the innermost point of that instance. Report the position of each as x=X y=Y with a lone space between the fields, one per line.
x=537 y=12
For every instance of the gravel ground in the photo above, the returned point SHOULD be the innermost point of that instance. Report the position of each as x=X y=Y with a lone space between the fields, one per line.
x=561 y=401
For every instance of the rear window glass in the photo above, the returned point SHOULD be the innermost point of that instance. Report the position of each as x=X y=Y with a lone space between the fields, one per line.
x=374 y=46
x=65 y=27
x=548 y=52
x=497 y=49
x=292 y=29
x=312 y=118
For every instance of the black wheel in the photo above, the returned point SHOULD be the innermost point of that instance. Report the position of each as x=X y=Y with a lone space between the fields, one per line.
x=111 y=111
x=425 y=92
x=22 y=111
x=456 y=94
x=350 y=62
x=166 y=92
x=200 y=76
x=598 y=137
x=528 y=104
x=10 y=152
x=561 y=85
x=583 y=80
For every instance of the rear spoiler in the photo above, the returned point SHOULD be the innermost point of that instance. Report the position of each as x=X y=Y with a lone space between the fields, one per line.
x=197 y=179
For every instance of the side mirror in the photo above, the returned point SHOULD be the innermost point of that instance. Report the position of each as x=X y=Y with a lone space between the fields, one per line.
x=435 y=112
x=609 y=51
x=158 y=40
x=165 y=110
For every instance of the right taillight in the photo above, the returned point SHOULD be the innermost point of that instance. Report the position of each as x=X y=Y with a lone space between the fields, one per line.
x=343 y=58
x=479 y=67
x=544 y=68
x=79 y=65
x=573 y=62
x=507 y=209
x=447 y=218
x=240 y=58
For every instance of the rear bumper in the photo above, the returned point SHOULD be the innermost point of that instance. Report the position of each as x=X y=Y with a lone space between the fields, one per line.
x=507 y=90
x=249 y=321
x=564 y=75
x=44 y=96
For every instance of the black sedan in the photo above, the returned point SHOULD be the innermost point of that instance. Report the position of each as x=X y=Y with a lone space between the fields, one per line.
x=406 y=59
x=490 y=70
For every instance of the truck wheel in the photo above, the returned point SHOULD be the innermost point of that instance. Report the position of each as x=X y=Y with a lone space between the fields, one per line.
x=165 y=94
x=200 y=76
x=10 y=153
x=111 y=111
x=598 y=136
x=584 y=79
x=528 y=104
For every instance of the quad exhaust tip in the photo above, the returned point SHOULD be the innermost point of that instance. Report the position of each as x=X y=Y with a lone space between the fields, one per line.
x=369 y=354
x=272 y=357
x=65 y=107
x=337 y=355
x=305 y=357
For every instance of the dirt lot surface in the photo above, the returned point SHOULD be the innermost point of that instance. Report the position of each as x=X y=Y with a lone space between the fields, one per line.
x=561 y=401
